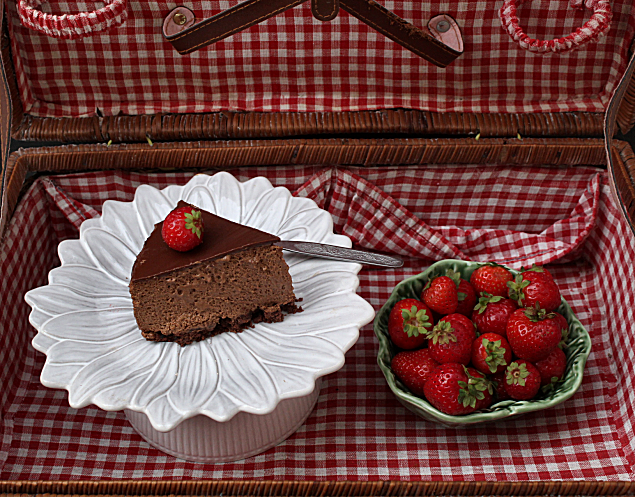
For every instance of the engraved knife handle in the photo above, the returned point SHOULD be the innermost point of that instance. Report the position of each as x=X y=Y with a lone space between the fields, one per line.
x=334 y=252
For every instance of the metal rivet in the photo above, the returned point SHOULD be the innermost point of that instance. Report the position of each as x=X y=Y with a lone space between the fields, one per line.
x=179 y=19
x=443 y=26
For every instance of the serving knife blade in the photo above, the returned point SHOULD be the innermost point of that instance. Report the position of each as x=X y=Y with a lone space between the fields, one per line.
x=334 y=252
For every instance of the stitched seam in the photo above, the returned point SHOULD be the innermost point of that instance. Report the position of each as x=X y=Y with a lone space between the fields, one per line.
x=204 y=24
x=443 y=47
x=381 y=30
x=325 y=18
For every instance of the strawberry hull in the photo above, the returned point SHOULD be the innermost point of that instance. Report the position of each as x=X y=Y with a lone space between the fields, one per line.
x=577 y=352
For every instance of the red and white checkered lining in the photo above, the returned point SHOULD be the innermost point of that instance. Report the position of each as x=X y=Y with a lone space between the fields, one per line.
x=358 y=431
x=293 y=62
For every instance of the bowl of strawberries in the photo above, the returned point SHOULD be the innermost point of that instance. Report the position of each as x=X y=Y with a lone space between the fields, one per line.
x=471 y=342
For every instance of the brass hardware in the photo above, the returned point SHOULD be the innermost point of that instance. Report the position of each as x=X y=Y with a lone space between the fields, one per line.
x=179 y=19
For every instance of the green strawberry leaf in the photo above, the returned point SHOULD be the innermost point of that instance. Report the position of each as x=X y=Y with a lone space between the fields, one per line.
x=516 y=374
x=484 y=300
x=474 y=389
x=415 y=321
x=192 y=222
x=454 y=276
x=442 y=333
x=495 y=354
x=552 y=385
x=534 y=268
x=480 y=384
x=516 y=288
x=465 y=396
x=535 y=314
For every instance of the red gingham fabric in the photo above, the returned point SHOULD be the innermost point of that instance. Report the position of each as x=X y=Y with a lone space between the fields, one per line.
x=596 y=26
x=293 y=62
x=358 y=430
x=71 y=26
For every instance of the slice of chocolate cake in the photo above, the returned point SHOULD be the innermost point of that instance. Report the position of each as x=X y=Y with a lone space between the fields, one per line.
x=234 y=278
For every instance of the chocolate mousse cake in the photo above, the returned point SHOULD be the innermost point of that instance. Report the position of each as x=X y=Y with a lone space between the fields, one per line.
x=234 y=278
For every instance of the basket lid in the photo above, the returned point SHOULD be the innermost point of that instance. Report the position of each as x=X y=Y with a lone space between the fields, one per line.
x=381 y=122
x=275 y=70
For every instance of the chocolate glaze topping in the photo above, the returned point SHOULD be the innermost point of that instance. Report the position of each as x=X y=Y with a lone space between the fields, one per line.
x=220 y=237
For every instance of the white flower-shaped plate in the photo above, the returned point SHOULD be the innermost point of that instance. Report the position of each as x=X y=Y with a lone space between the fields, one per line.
x=95 y=350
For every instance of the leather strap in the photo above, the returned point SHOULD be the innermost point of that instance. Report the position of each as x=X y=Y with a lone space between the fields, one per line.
x=610 y=124
x=6 y=113
x=438 y=46
x=225 y=24
x=407 y=35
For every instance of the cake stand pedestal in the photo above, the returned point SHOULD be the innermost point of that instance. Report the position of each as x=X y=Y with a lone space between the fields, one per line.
x=201 y=439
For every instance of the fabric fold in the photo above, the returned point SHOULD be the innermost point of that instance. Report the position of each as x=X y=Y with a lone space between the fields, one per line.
x=376 y=221
x=373 y=219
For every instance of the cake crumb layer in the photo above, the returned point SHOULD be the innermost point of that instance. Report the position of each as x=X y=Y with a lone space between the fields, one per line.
x=273 y=314
x=226 y=294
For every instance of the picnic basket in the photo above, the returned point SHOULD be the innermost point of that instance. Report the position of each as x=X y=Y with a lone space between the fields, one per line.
x=530 y=168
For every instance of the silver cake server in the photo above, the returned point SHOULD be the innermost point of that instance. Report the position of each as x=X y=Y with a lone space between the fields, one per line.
x=340 y=253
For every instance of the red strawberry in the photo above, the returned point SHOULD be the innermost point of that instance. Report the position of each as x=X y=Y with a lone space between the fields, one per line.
x=465 y=292
x=460 y=319
x=540 y=271
x=564 y=327
x=552 y=367
x=535 y=287
x=467 y=298
x=522 y=380
x=408 y=323
x=451 y=339
x=454 y=389
x=500 y=383
x=491 y=353
x=441 y=295
x=533 y=334
x=492 y=313
x=413 y=368
x=183 y=228
x=491 y=278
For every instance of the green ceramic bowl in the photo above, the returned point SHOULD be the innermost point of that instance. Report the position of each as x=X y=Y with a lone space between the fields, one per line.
x=577 y=351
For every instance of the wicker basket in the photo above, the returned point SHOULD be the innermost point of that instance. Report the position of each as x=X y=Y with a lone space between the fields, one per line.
x=29 y=164
x=386 y=138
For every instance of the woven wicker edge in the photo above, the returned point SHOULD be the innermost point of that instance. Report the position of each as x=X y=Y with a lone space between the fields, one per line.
x=623 y=162
x=308 y=489
x=242 y=125
x=625 y=118
x=230 y=154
